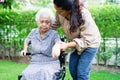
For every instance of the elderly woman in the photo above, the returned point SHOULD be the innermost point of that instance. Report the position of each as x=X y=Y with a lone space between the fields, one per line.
x=42 y=39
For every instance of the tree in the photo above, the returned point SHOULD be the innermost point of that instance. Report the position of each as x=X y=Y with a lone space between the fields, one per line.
x=8 y=4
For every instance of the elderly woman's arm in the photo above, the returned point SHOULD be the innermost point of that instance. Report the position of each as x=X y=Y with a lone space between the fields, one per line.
x=62 y=46
x=24 y=51
x=27 y=42
x=56 y=50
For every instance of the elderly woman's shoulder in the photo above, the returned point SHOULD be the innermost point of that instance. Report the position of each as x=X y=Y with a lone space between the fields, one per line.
x=34 y=30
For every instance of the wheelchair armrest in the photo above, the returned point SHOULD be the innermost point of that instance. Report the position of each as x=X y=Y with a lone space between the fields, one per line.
x=28 y=53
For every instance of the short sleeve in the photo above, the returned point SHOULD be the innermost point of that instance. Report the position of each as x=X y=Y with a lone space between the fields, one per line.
x=28 y=38
x=56 y=37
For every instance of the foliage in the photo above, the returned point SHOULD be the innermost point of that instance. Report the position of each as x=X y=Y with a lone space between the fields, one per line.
x=103 y=16
x=7 y=4
x=16 y=24
x=60 y=31
x=106 y=55
x=43 y=3
x=107 y=19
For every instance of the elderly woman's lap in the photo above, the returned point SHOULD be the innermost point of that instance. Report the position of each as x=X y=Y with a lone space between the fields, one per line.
x=40 y=71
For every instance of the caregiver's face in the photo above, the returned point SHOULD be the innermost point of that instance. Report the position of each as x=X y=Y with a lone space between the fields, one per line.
x=64 y=13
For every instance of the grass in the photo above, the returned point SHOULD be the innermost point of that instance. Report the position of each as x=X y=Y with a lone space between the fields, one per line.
x=9 y=71
x=104 y=75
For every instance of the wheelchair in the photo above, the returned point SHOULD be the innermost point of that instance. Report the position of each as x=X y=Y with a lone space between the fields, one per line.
x=62 y=73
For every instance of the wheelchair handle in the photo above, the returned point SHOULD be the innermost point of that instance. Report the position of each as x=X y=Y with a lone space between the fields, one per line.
x=63 y=52
x=27 y=54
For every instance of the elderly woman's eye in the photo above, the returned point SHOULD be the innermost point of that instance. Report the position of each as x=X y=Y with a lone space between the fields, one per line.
x=41 y=21
x=47 y=22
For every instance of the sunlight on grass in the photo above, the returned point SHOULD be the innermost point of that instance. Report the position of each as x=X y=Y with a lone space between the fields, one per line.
x=104 y=75
x=10 y=70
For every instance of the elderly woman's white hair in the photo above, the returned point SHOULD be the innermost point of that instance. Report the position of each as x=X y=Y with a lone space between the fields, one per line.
x=45 y=11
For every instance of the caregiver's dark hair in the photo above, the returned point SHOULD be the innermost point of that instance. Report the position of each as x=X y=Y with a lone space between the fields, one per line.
x=64 y=4
x=75 y=16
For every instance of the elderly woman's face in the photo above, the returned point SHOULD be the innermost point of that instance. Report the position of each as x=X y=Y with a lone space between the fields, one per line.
x=44 y=23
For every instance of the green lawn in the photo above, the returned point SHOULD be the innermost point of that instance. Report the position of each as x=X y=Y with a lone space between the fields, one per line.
x=9 y=71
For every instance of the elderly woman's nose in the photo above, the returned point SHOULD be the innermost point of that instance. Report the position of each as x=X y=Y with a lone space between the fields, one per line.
x=43 y=23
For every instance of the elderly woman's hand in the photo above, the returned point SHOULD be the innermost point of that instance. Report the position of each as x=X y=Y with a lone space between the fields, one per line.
x=56 y=50
x=63 y=46
x=23 y=53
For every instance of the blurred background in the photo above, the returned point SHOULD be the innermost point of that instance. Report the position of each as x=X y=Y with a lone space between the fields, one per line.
x=17 y=18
